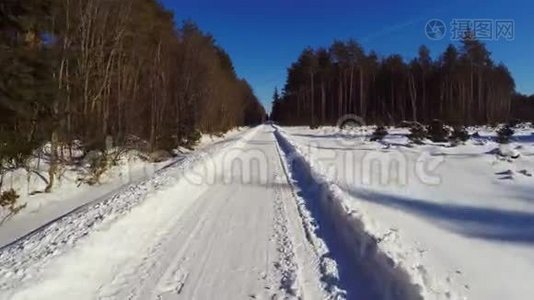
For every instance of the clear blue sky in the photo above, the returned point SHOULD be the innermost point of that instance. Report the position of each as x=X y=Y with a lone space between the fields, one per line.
x=264 y=37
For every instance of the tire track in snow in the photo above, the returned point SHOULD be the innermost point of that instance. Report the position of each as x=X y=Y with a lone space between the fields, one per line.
x=286 y=264
x=209 y=245
x=182 y=261
x=142 y=275
x=316 y=247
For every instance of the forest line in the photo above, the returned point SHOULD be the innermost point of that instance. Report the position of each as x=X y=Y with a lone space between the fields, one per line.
x=463 y=86
x=79 y=73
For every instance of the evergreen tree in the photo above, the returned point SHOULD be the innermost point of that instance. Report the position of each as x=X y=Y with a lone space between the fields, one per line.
x=27 y=87
x=462 y=87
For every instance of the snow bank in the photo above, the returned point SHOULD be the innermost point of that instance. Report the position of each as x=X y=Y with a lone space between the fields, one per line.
x=355 y=248
x=69 y=193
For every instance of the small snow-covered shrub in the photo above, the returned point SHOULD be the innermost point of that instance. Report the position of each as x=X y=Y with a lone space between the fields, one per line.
x=8 y=198
x=167 y=142
x=406 y=124
x=525 y=172
x=8 y=201
x=506 y=152
x=134 y=142
x=417 y=133
x=97 y=168
x=379 y=133
x=192 y=138
x=14 y=151
x=437 y=132
x=219 y=134
x=514 y=123
x=504 y=134
x=459 y=134
x=96 y=164
x=160 y=155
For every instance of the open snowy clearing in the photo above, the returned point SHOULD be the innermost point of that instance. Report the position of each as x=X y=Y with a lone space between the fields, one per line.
x=459 y=220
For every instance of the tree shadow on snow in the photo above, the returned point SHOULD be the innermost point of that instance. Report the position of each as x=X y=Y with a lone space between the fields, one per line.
x=477 y=222
x=524 y=138
x=317 y=136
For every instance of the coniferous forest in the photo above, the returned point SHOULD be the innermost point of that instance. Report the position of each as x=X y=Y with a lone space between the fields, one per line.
x=84 y=71
x=463 y=86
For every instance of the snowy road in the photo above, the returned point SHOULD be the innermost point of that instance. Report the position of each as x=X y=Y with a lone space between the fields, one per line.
x=229 y=228
x=258 y=217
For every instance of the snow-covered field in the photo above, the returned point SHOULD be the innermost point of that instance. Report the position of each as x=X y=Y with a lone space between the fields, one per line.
x=290 y=213
x=459 y=220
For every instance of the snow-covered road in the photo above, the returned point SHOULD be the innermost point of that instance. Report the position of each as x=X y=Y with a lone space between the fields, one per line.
x=258 y=217
x=226 y=227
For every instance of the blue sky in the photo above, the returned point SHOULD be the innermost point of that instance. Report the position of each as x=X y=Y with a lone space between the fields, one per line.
x=264 y=37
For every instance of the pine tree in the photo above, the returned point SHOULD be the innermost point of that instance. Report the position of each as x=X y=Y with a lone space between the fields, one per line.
x=462 y=87
x=27 y=88
x=437 y=132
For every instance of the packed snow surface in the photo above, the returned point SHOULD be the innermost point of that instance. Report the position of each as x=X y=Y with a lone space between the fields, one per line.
x=290 y=213
x=220 y=224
